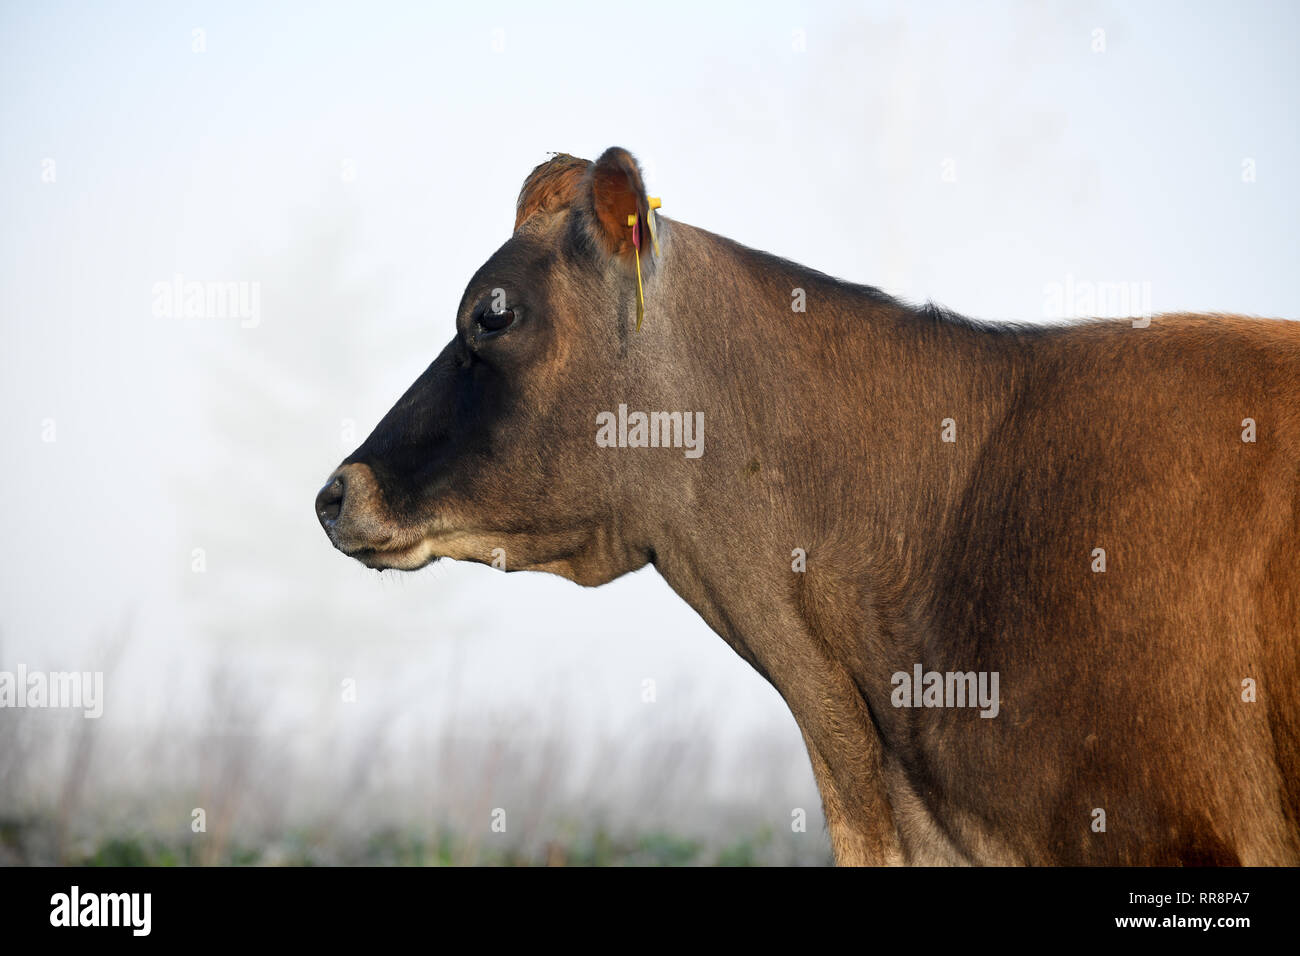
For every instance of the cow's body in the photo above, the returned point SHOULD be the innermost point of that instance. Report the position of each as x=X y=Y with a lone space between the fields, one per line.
x=1120 y=690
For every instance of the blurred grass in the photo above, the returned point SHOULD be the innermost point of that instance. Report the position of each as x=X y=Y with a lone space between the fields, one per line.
x=30 y=842
x=342 y=786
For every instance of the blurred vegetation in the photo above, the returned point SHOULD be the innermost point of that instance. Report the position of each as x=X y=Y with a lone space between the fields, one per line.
x=347 y=793
x=33 y=841
x=345 y=785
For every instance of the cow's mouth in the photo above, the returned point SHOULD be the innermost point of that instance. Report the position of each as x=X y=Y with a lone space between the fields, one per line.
x=352 y=511
x=411 y=558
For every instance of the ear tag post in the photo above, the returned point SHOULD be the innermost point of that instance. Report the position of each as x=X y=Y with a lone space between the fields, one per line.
x=640 y=293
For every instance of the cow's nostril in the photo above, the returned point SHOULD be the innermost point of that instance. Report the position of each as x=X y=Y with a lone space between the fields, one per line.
x=329 y=503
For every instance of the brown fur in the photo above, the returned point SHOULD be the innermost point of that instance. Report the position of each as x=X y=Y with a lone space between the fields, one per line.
x=1120 y=690
x=550 y=186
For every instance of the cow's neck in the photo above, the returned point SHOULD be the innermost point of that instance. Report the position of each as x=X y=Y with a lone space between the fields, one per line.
x=825 y=438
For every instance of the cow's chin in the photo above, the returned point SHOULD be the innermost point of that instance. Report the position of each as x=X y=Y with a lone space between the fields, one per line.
x=424 y=551
x=417 y=556
x=579 y=556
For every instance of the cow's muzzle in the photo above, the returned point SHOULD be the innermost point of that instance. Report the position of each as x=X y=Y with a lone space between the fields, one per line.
x=351 y=511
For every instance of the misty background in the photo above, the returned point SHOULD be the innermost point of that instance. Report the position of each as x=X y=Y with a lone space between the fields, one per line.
x=357 y=163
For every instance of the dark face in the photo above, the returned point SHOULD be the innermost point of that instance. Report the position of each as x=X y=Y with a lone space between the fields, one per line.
x=493 y=447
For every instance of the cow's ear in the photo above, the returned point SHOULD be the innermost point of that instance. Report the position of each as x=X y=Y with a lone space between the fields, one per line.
x=553 y=185
x=615 y=192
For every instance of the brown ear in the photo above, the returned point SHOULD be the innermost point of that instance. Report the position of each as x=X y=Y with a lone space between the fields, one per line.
x=615 y=192
x=552 y=185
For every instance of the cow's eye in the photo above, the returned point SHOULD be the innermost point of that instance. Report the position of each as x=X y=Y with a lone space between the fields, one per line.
x=496 y=321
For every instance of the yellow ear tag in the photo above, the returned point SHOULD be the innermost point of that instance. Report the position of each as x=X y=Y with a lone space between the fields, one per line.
x=654 y=235
x=640 y=293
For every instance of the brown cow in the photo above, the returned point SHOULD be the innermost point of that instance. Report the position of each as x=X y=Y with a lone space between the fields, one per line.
x=1030 y=592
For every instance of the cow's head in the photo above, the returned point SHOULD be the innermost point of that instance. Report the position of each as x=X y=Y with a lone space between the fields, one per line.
x=493 y=446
